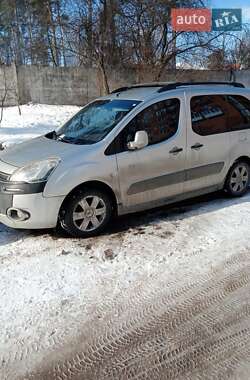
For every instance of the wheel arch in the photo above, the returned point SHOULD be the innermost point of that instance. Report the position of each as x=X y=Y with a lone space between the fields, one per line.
x=243 y=158
x=97 y=185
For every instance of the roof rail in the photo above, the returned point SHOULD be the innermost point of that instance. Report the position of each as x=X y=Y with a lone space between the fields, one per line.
x=173 y=86
x=120 y=89
x=143 y=85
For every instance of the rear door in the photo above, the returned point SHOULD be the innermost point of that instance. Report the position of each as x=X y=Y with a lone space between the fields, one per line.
x=239 y=125
x=155 y=172
x=208 y=141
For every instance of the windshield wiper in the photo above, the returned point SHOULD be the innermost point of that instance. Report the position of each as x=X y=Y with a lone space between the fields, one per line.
x=74 y=140
x=82 y=142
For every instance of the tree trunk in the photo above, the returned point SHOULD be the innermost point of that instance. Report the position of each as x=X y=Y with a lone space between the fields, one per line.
x=52 y=41
x=104 y=77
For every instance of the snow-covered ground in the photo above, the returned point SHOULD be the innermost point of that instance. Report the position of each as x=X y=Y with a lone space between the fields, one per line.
x=52 y=287
x=35 y=120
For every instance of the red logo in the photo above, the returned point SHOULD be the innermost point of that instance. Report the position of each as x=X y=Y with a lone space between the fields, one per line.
x=191 y=19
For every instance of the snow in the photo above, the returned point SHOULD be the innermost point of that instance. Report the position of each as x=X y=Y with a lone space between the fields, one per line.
x=50 y=285
x=35 y=120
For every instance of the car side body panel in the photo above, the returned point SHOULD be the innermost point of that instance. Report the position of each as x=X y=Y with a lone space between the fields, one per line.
x=239 y=141
x=211 y=158
x=154 y=173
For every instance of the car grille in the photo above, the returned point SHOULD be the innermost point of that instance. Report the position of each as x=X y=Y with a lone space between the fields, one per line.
x=4 y=177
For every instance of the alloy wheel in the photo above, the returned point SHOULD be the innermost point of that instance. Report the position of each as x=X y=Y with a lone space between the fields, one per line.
x=239 y=178
x=89 y=213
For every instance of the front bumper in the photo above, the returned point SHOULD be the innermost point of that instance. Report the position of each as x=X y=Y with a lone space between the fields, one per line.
x=43 y=211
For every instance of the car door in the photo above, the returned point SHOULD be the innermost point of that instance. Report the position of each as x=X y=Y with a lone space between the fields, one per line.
x=239 y=125
x=208 y=144
x=155 y=172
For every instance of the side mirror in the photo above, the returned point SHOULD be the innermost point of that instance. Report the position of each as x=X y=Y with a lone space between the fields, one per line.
x=140 y=141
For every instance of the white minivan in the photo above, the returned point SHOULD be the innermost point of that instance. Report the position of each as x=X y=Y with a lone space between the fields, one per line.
x=140 y=147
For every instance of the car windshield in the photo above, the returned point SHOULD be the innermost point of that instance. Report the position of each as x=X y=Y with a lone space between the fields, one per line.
x=94 y=121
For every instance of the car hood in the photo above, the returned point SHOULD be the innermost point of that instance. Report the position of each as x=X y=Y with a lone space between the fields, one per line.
x=40 y=148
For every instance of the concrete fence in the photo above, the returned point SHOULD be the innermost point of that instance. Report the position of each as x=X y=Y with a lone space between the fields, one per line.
x=79 y=85
x=8 y=85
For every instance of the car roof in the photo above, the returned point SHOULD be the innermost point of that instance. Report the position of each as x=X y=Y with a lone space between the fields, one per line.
x=135 y=93
x=148 y=91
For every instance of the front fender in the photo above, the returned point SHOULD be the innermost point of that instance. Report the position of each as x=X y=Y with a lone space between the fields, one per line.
x=64 y=179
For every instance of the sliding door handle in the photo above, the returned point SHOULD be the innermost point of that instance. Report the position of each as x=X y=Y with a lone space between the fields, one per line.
x=197 y=146
x=175 y=150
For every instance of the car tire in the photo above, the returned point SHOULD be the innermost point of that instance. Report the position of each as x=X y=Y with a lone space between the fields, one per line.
x=86 y=213
x=237 y=181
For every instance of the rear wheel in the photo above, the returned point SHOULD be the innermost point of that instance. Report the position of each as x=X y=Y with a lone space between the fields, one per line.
x=238 y=179
x=86 y=213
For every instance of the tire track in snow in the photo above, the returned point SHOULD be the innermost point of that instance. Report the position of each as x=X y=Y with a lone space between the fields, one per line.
x=195 y=332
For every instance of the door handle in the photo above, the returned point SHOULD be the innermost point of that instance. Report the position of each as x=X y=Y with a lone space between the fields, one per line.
x=175 y=150
x=197 y=146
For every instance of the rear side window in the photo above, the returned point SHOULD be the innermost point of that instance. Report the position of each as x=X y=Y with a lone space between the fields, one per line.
x=213 y=114
x=209 y=114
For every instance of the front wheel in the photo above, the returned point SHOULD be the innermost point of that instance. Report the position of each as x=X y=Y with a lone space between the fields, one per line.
x=237 y=181
x=86 y=214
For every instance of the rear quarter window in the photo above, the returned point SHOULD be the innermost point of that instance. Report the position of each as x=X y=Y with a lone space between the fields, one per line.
x=238 y=112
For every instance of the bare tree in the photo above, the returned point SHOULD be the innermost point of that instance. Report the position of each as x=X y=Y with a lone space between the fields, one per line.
x=108 y=34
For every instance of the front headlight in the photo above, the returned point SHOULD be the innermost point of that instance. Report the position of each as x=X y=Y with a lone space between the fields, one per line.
x=38 y=171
